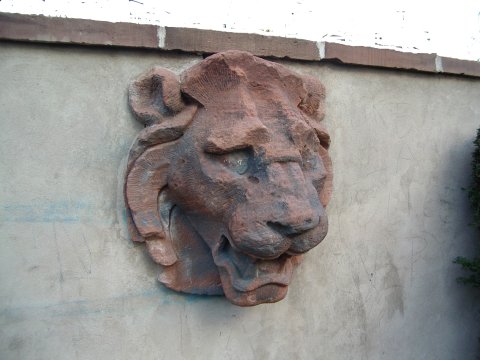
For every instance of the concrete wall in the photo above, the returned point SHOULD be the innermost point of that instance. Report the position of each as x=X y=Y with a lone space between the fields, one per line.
x=381 y=286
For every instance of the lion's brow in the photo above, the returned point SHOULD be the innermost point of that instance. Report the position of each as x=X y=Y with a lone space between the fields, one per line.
x=230 y=140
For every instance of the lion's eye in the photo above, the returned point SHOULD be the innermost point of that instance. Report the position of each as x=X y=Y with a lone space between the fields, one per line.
x=236 y=161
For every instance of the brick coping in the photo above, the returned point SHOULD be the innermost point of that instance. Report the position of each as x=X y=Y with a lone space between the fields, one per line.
x=39 y=28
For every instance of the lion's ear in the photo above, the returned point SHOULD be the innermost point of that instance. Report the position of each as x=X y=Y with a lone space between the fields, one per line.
x=313 y=105
x=155 y=96
x=313 y=101
x=156 y=101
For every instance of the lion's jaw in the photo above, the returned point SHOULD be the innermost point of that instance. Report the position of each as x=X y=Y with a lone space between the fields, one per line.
x=249 y=281
x=246 y=280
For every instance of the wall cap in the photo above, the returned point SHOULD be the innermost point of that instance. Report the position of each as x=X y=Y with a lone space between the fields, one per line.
x=39 y=28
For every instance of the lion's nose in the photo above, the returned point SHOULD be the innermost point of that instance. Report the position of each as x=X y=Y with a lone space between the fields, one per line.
x=298 y=225
x=294 y=218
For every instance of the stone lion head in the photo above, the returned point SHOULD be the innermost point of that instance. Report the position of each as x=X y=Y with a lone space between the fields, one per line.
x=228 y=182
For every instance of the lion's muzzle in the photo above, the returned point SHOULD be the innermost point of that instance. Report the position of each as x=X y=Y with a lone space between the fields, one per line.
x=282 y=214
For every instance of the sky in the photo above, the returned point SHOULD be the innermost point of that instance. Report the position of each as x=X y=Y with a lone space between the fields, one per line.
x=448 y=28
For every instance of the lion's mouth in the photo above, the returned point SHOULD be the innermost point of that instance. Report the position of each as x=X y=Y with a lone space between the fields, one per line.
x=246 y=273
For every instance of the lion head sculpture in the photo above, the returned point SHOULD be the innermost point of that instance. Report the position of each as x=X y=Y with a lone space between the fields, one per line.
x=227 y=184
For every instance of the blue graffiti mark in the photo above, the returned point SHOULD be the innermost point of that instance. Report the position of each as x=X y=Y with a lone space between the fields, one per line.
x=88 y=307
x=70 y=211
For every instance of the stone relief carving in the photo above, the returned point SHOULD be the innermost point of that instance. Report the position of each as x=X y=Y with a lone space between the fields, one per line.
x=227 y=184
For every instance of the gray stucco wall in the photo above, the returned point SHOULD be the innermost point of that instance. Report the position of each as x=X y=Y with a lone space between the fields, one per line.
x=381 y=286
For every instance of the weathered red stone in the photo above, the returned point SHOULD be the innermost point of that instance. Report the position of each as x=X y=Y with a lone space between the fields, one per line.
x=228 y=183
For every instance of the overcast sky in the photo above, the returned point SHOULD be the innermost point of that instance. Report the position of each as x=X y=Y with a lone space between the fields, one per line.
x=449 y=28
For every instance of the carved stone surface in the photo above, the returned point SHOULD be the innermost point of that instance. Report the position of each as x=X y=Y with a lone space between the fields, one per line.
x=227 y=184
